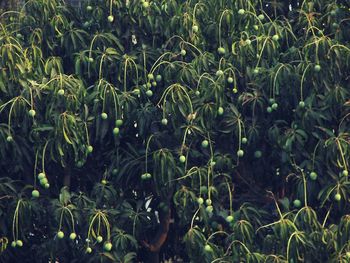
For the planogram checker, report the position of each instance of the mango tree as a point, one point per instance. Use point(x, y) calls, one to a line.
point(202, 131)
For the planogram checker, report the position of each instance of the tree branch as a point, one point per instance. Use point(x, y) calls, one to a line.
point(162, 233)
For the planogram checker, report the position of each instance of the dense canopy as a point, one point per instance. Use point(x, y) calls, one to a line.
point(202, 131)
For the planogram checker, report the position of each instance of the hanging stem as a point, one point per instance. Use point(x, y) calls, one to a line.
point(147, 148)
point(305, 188)
point(275, 80)
point(35, 166)
point(342, 154)
point(43, 157)
point(15, 225)
point(220, 22)
point(302, 81)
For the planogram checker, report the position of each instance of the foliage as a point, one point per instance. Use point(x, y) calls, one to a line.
point(214, 131)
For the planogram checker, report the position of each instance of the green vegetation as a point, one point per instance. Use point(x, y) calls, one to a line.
point(212, 131)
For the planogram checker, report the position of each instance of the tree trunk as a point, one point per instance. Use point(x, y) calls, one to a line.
point(157, 242)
